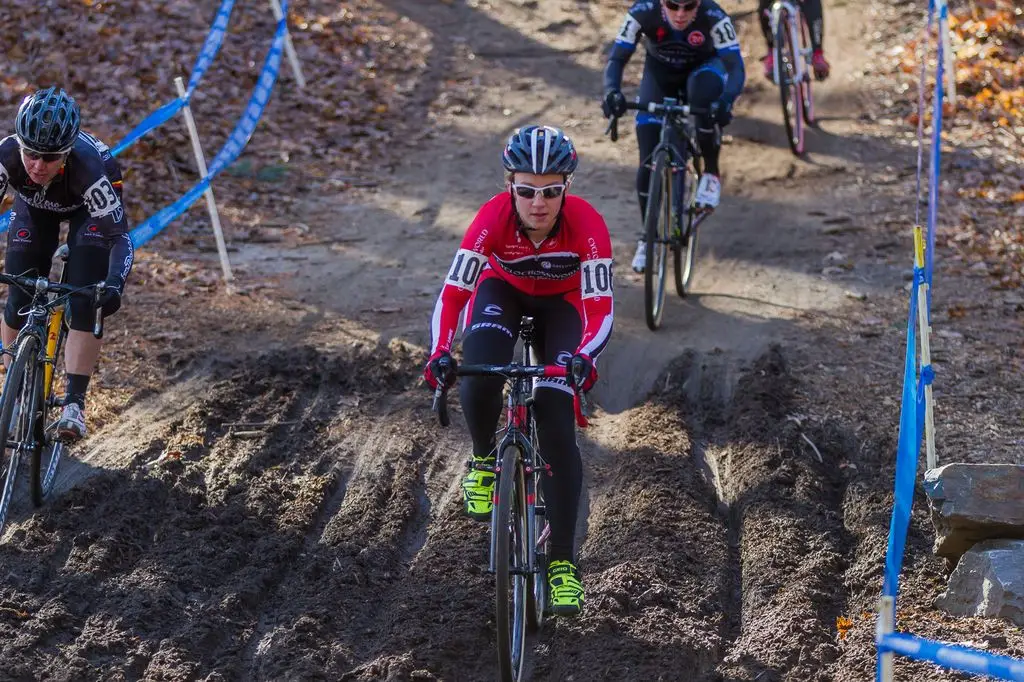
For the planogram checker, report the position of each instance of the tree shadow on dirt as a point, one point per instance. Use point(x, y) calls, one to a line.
point(489, 39)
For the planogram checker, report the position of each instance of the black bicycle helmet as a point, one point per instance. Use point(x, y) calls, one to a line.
point(48, 121)
point(540, 150)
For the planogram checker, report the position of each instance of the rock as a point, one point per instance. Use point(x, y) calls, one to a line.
point(988, 582)
point(974, 502)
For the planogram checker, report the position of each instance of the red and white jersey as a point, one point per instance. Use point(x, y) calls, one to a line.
point(575, 261)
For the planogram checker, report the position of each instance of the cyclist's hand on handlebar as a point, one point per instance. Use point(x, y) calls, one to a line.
point(721, 111)
point(583, 372)
point(109, 294)
point(614, 104)
point(440, 370)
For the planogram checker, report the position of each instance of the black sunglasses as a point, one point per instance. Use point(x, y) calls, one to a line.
point(45, 157)
point(676, 6)
point(529, 191)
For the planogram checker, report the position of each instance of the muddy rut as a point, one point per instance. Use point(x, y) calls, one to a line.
point(294, 514)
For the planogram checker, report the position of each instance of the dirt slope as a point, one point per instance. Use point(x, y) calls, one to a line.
point(280, 505)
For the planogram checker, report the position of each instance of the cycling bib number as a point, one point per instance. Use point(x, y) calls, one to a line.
point(629, 31)
point(723, 35)
point(596, 278)
point(465, 269)
point(102, 200)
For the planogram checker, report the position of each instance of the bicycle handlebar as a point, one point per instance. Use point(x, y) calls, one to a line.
point(41, 285)
point(656, 108)
point(511, 371)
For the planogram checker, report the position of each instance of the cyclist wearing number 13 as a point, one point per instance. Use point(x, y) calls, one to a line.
point(59, 173)
point(531, 250)
point(692, 52)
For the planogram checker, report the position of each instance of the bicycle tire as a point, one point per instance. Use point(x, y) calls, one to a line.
point(657, 223)
point(806, 94)
point(685, 267)
point(43, 470)
point(14, 389)
point(785, 58)
point(509, 541)
point(537, 592)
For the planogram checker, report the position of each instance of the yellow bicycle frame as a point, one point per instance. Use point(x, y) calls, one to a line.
point(52, 334)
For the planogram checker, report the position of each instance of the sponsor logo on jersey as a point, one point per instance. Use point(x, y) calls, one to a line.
point(492, 309)
point(659, 34)
point(696, 39)
point(24, 234)
point(563, 358)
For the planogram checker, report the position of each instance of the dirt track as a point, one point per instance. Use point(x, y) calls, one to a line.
point(718, 545)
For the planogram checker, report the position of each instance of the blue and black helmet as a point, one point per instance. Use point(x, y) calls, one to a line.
point(541, 150)
point(48, 121)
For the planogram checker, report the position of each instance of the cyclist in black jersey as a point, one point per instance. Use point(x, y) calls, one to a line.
point(816, 23)
point(692, 53)
point(57, 173)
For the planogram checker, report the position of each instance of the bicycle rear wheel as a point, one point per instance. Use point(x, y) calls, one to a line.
point(657, 224)
point(15, 427)
point(511, 565)
point(789, 88)
point(47, 453)
point(684, 251)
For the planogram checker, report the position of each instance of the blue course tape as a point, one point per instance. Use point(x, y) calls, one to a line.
point(232, 148)
point(951, 656)
point(211, 46)
point(908, 446)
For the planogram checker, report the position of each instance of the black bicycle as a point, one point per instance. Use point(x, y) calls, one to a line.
point(29, 408)
point(672, 217)
point(519, 531)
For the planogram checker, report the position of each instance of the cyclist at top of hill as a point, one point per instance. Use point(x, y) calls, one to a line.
point(57, 172)
point(692, 54)
point(535, 250)
point(815, 21)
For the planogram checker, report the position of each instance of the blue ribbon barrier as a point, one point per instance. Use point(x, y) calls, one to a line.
point(907, 449)
point(232, 147)
point(952, 656)
point(211, 46)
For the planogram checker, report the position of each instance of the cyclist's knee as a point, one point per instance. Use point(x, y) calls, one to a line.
point(17, 300)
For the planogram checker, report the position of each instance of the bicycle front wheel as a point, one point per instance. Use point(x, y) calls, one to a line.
point(684, 250)
point(789, 89)
point(657, 224)
point(511, 565)
point(806, 95)
point(47, 452)
point(15, 417)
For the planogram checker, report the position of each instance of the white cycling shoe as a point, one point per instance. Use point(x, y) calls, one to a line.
point(709, 192)
point(72, 423)
point(640, 257)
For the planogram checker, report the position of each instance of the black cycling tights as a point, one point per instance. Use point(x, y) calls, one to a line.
point(812, 13)
point(491, 338)
point(699, 88)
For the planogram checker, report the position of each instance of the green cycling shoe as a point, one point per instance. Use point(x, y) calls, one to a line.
point(565, 588)
point(478, 491)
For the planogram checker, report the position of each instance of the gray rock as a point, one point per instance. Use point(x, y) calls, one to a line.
point(974, 502)
point(988, 582)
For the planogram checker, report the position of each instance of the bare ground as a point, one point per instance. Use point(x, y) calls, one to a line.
point(739, 473)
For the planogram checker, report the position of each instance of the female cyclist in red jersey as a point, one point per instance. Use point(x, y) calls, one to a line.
point(535, 250)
